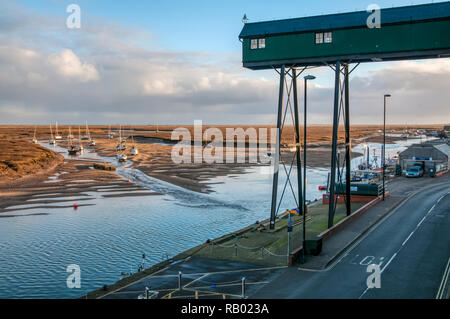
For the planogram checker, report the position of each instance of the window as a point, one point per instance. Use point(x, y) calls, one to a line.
point(262, 43)
point(326, 37)
point(257, 44)
point(319, 38)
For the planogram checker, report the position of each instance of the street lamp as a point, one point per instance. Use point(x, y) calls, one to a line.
point(308, 77)
point(384, 143)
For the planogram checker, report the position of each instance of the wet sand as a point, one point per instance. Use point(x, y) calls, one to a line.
point(75, 177)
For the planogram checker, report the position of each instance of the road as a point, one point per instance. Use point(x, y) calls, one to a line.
point(411, 246)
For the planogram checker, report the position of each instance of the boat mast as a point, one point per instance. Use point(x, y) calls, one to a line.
point(79, 135)
point(70, 136)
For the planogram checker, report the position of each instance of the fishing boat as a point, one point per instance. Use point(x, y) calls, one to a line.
point(57, 136)
point(52, 140)
point(34, 140)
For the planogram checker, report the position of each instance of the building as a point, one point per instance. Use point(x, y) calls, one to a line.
point(409, 32)
point(432, 157)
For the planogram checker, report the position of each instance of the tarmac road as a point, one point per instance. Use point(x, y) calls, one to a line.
point(411, 246)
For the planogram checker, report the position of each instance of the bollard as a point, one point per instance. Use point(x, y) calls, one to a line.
point(243, 288)
point(224, 296)
point(196, 294)
point(235, 250)
point(179, 280)
point(147, 294)
point(262, 252)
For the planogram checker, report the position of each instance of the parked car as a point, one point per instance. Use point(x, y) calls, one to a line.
point(415, 171)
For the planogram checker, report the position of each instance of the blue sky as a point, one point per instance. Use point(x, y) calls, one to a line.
point(177, 61)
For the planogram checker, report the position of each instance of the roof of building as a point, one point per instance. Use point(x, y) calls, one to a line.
point(347, 20)
point(444, 148)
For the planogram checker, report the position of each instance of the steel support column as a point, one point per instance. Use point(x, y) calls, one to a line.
point(297, 140)
point(347, 142)
point(273, 211)
point(334, 143)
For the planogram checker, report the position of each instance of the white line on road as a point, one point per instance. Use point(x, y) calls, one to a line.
point(408, 238)
point(446, 273)
point(387, 264)
point(441, 290)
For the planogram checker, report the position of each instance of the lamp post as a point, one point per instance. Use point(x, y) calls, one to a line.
point(308, 77)
point(384, 143)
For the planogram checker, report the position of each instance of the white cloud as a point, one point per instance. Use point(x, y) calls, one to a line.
point(69, 65)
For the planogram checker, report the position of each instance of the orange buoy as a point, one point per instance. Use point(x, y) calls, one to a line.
point(129, 181)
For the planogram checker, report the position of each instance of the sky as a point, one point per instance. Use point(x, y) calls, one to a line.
point(173, 62)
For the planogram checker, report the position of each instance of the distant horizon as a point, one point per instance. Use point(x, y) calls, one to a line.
point(220, 125)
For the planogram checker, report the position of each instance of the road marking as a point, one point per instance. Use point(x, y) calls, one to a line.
point(408, 238)
point(134, 282)
point(374, 227)
point(420, 223)
point(442, 286)
point(446, 273)
point(387, 264)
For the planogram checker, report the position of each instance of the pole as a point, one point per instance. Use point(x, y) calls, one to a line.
point(179, 280)
point(289, 238)
point(384, 144)
point(334, 144)
point(277, 151)
point(304, 173)
point(243, 288)
point(297, 141)
point(347, 143)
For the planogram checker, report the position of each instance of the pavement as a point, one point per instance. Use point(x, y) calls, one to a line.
point(410, 245)
point(407, 236)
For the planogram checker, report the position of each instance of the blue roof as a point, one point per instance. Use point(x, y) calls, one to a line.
point(347, 20)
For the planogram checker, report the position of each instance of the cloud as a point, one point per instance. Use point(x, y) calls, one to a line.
point(68, 65)
point(108, 73)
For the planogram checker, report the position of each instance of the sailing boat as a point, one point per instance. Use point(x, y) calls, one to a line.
point(52, 140)
point(121, 146)
point(72, 149)
point(34, 140)
point(110, 135)
point(86, 137)
point(91, 141)
point(80, 147)
point(57, 136)
point(134, 150)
